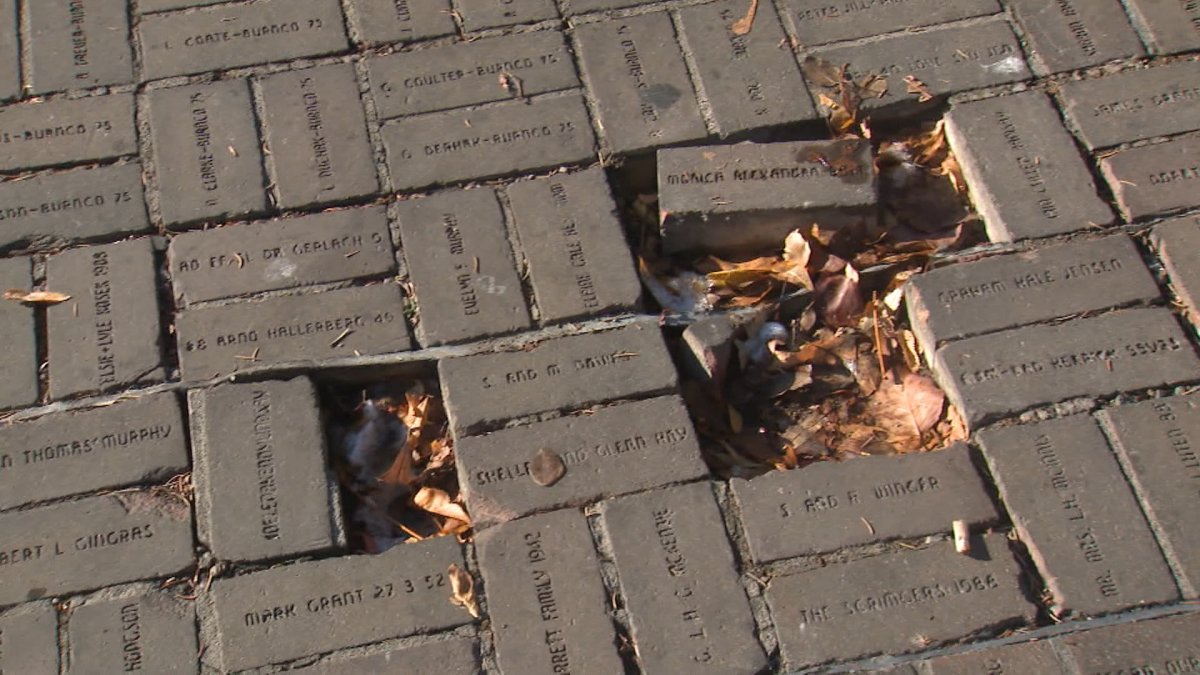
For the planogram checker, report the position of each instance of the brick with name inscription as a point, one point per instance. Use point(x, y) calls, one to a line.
point(108, 334)
point(1165, 645)
point(461, 266)
point(1135, 104)
point(146, 6)
point(315, 607)
point(1072, 34)
point(1015, 370)
point(66, 131)
point(897, 602)
point(751, 195)
point(1178, 244)
point(815, 22)
point(217, 38)
point(18, 332)
point(141, 440)
point(1007, 291)
point(506, 138)
point(263, 490)
point(152, 632)
point(482, 14)
point(558, 374)
point(1170, 26)
point(635, 71)
point(207, 154)
point(78, 45)
point(608, 451)
point(1027, 657)
point(572, 240)
point(573, 7)
point(283, 253)
point(827, 506)
point(1074, 511)
point(1155, 179)
point(446, 657)
point(687, 607)
point(10, 61)
point(47, 209)
point(460, 74)
point(316, 133)
point(1026, 177)
point(1157, 440)
point(93, 542)
point(401, 20)
point(29, 639)
point(545, 598)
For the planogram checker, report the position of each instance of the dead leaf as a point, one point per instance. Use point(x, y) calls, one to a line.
point(438, 501)
point(35, 297)
point(462, 589)
point(838, 300)
point(915, 86)
point(744, 24)
point(907, 410)
point(547, 468)
point(797, 251)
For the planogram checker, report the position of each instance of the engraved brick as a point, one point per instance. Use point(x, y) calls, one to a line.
point(30, 639)
point(206, 151)
point(154, 632)
point(315, 607)
point(1166, 645)
point(461, 266)
point(898, 602)
point(76, 205)
point(146, 6)
point(610, 451)
point(1026, 176)
point(558, 374)
point(460, 74)
point(1072, 34)
point(512, 137)
point(815, 22)
point(1157, 442)
point(93, 542)
point(1028, 657)
point(1135, 104)
point(827, 506)
point(687, 608)
point(318, 248)
point(1007, 291)
point(141, 440)
point(79, 45)
point(1178, 244)
point(545, 598)
point(18, 333)
point(10, 62)
point(218, 38)
point(446, 657)
point(262, 487)
point(636, 73)
point(570, 7)
point(108, 334)
point(1155, 179)
point(1171, 26)
point(495, 13)
point(404, 21)
point(1015, 370)
point(751, 195)
point(579, 263)
point(316, 133)
point(66, 131)
point(1078, 517)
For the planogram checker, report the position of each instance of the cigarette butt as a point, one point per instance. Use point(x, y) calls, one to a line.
point(962, 537)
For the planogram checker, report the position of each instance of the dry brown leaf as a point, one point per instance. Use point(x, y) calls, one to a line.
point(906, 411)
point(797, 251)
point(547, 468)
point(462, 589)
point(838, 300)
point(915, 86)
point(35, 297)
point(438, 501)
point(744, 24)
point(873, 85)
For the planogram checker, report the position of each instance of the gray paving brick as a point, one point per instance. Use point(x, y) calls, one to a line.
point(557, 374)
point(751, 195)
point(1027, 657)
point(1007, 291)
point(65, 131)
point(748, 81)
point(76, 205)
point(29, 639)
point(1025, 174)
point(216, 341)
point(10, 62)
point(1134, 104)
point(635, 72)
point(315, 607)
point(828, 506)
point(79, 45)
point(18, 333)
point(108, 334)
point(687, 607)
point(146, 6)
point(1178, 244)
point(460, 74)
point(446, 657)
point(316, 133)
point(481, 14)
point(579, 263)
point(611, 451)
point(1166, 645)
point(461, 267)
point(573, 7)
point(815, 22)
point(1073, 510)
point(1156, 440)
point(1155, 179)
point(1172, 26)
point(1074, 34)
point(401, 20)
point(1018, 369)
point(545, 598)
point(508, 138)
point(142, 440)
point(241, 259)
point(92, 543)
point(239, 35)
point(899, 602)
point(153, 632)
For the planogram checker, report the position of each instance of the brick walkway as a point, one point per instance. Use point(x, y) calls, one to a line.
point(421, 187)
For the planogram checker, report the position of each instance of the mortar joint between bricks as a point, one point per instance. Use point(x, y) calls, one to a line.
point(524, 273)
point(611, 579)
point(374, 137)
point(689, 61)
